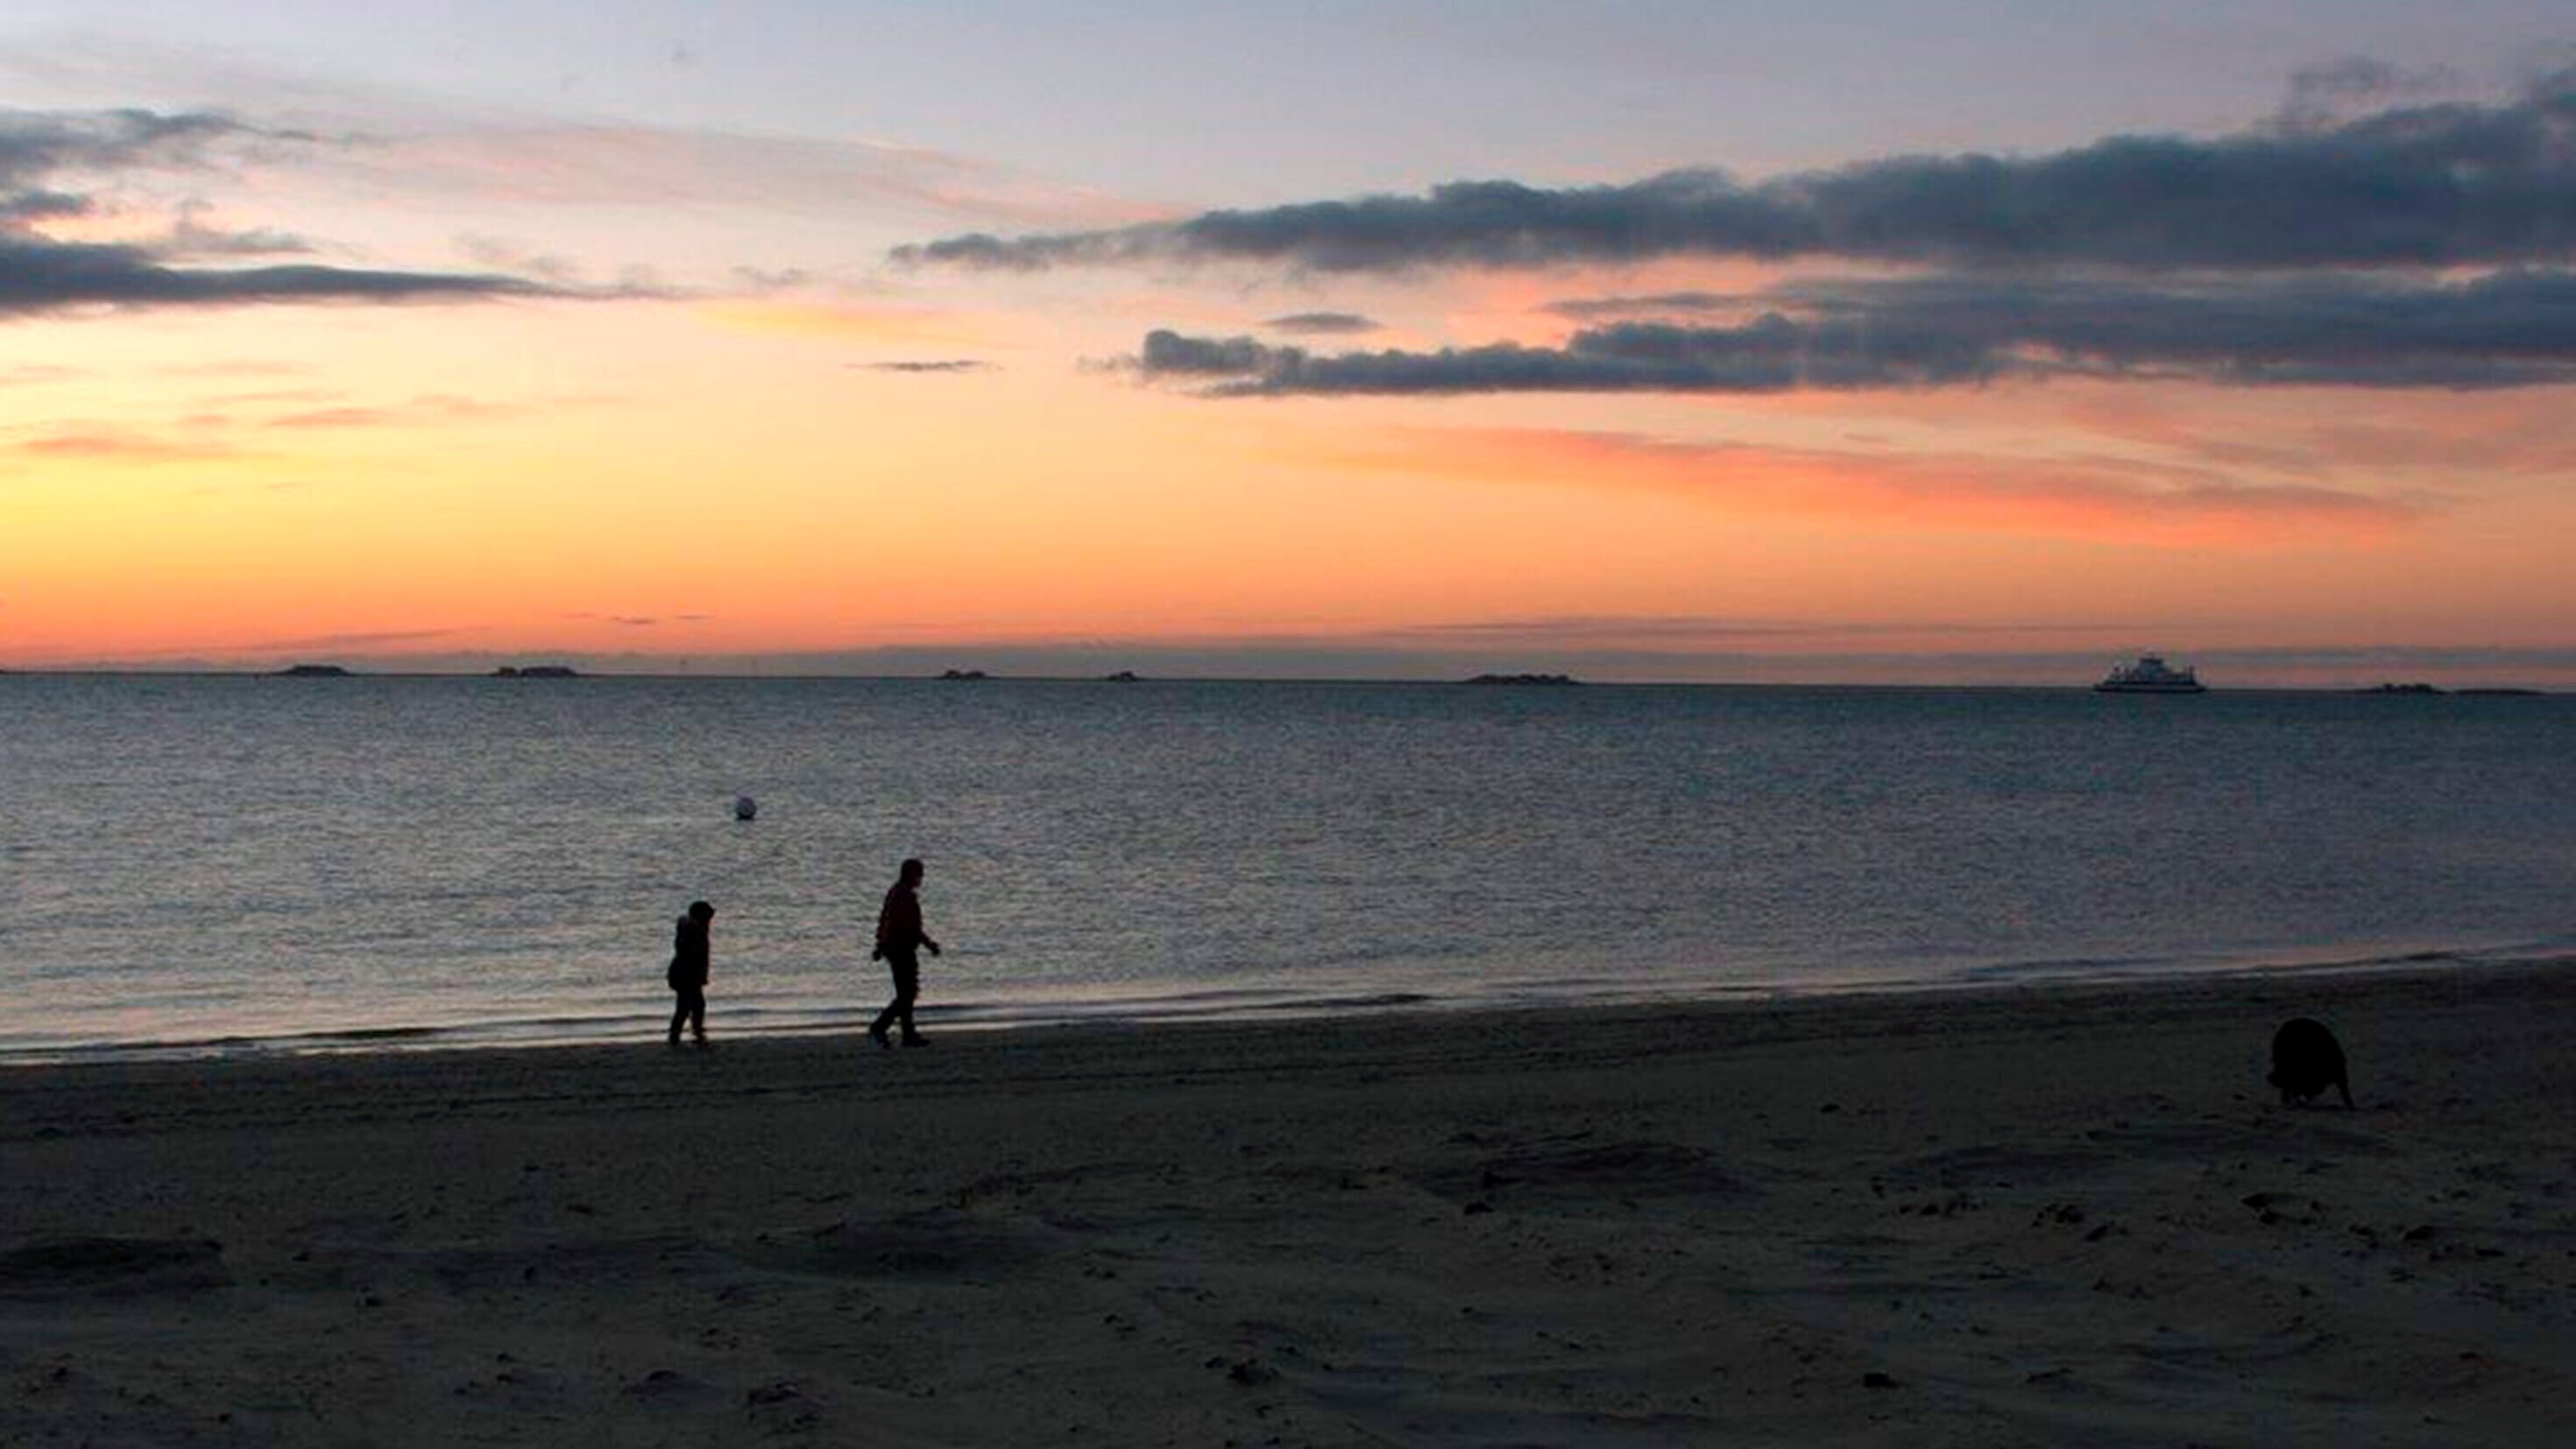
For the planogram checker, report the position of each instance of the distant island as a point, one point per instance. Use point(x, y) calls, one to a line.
point(964, 674)
point(536, 671)
point(313, 671)
point(2402, 689)
point(1123, 676)
point(1549, 679)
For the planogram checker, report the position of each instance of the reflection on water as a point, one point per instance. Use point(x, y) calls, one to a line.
point(205, 858)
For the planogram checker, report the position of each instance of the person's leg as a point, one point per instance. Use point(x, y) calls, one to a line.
point(698, 1013)
point(886, 1018)
point(907, 989)
point(679, 1012)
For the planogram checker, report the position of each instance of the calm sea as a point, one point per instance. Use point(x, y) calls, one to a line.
point(264, 863)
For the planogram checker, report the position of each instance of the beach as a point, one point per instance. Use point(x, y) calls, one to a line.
point(2071, 1214)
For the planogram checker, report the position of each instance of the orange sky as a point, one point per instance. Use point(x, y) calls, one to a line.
point(534, 477)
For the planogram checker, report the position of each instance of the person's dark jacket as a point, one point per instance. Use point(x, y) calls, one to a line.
point(689, 953)
point(899, 923)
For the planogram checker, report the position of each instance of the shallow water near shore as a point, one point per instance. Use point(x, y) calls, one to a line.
point(252, 864)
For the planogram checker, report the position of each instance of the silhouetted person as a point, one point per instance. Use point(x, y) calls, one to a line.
point(899, 942)
point(691, 953)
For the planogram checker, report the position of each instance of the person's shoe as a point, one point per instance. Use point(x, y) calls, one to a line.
point(675, 1038)
point(877, 1034)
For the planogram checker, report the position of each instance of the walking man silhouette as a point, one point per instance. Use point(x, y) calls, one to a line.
point(899, 942)
point(691, 951)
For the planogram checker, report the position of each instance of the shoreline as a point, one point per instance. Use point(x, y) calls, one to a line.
point(2015, 1216)
point(1155, 1013)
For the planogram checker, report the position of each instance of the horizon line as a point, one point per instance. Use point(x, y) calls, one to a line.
point(1513, 679)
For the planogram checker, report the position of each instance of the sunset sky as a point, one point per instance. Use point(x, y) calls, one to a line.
point(1980, 341)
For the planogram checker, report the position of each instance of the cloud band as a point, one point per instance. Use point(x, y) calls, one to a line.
point(2507, 330)
point(40, 273)
point(2425, 186)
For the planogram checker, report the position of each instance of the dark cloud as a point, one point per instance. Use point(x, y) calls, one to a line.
point(1321, 323)
point(42, 276)
point(2427, 185)
point(932, 365)
point(2506, 330)
point(1770, 354)
point(23, 208)
point(1656, 304)
point(43, 154)
point(36, 145)
point(1170, 354)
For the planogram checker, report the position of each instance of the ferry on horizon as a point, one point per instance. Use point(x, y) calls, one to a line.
point(2151, 675)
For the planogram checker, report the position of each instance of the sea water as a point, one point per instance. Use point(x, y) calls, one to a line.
point(259, 863)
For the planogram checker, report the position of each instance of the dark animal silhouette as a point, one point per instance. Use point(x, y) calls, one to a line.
point(2306, 1059)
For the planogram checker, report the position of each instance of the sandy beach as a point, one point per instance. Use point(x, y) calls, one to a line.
point(2038, 1216)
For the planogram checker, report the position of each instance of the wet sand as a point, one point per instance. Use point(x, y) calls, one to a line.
point(2021, 1217)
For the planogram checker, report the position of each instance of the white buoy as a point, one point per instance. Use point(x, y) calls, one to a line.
point(745, 807)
